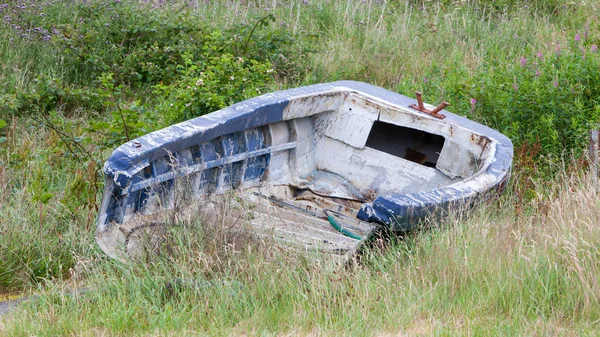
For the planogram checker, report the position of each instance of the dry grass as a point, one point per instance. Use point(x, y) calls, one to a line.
point(499, 272)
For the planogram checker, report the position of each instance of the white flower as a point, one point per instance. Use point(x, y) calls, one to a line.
point(270, 71)
point(200, 82)
point(231, 78)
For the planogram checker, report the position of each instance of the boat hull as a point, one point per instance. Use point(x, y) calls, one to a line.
point(344, 140)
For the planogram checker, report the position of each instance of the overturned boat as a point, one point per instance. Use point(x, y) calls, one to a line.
point(320, 166)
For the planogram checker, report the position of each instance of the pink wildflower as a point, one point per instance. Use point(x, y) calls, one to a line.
point(540, 55)
point(594, 48)
point(577, 37)
point(523, 61)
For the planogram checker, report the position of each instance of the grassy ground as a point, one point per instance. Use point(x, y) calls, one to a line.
point(524, 265)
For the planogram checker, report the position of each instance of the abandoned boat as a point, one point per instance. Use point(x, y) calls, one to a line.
point(321, 166)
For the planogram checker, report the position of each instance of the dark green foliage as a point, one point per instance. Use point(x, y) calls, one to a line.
point(550, 97)
point(115, 53)
point(212, 85)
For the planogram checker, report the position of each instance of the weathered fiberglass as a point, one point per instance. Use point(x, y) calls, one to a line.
point(355, 147)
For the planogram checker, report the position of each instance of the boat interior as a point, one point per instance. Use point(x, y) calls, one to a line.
point(328, 154)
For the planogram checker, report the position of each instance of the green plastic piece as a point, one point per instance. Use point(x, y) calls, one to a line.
point(342, 230)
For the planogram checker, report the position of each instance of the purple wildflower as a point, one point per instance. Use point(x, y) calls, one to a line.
point(538, 73)
point(515, 86)
point(523, 61)
point(540, 55)
point(594, 48)
point(425, 80)
point(473, 101)
point(577, 38)
point(555, 84)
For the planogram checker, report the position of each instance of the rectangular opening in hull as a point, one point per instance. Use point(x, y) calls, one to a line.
point(414, 145)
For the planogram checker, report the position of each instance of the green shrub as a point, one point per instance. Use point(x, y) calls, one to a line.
point(139, 44)
point(211, 85)
point(142, 45)
point(549, 96)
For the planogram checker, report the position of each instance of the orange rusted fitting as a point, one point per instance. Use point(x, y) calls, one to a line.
point(421, 107)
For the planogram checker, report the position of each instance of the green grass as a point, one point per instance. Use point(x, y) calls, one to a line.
point(498, 272)
point(526, 264)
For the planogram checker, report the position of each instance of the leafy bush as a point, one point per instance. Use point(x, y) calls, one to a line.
point(550, 96)
point(47, 93)
point(114, 53)
point(211, 85)
point(140, 45)
point(144, 45)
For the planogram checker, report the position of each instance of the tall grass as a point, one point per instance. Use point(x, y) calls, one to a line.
point(498, 272)
point(43, 228)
